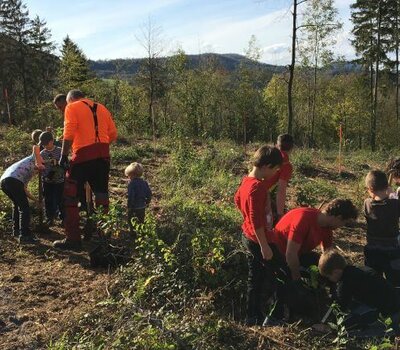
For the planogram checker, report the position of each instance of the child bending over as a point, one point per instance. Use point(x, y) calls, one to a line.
point(14, 182)
point(355, 286)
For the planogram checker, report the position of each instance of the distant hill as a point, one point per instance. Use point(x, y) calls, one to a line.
point(128, 67)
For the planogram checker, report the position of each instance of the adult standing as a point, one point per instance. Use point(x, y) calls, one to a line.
point(88, 131)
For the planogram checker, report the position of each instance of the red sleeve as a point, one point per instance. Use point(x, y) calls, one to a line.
point(299, 228)
point(286, 171)
point(257, 207)
point(237, 198)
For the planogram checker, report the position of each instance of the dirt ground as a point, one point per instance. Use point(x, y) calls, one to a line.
point(41, 289)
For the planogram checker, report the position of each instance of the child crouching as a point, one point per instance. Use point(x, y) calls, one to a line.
point(359, 286)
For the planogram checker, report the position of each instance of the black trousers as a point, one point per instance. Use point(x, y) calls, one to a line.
point(384, 261)
point(14, 189)
point(262, 276)
point(53, 199)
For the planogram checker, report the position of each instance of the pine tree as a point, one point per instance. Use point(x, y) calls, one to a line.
point(15, 24)
point(74, 68)
point(43, 64)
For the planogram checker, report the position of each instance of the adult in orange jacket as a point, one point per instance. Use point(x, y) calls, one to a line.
point(88, 131)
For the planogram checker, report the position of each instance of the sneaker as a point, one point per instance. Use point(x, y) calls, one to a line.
point(66, 244)
point(27, 239)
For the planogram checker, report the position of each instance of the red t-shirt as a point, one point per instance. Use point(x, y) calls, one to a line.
point(284, 172)
point(250, 199)
point(300, 225)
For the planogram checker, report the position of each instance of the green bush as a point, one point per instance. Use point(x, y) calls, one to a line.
point(302, 160)
point(312, 193)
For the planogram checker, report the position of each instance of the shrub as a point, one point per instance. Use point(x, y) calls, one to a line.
point(312, 193)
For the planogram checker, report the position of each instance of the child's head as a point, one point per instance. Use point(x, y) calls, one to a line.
point(331, 265)
point(35, 136)
point(393, 170)
point(376, 181)
point(134, 170)
point(285, 142)
point(46, 140)
point(268, 159)
point(340, 212)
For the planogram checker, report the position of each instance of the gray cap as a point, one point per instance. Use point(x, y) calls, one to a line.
point(45, 137)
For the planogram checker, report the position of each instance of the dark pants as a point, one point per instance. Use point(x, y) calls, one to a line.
point(96, 173)
point(262, 274)
point(53, 199)
point(384, 261)
point(14, 189)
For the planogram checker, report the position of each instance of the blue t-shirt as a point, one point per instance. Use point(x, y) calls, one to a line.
point(52, 173)
point(139, 193)
point(22, 170)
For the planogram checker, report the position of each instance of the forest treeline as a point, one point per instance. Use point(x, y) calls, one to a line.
point(169, 96)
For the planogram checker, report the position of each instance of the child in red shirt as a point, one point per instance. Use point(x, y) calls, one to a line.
point(281, 178)
point(250, 199)
point(303, 229)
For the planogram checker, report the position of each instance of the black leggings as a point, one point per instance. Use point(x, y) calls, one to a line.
point(14, 189)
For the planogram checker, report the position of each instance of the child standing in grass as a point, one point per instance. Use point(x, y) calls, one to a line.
point(251, 200)
point(53, 177)
point(382, 213)
point(14, 182)
point(139, 193)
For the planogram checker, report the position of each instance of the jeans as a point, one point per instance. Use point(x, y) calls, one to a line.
point(53, 199)
point(14, 189)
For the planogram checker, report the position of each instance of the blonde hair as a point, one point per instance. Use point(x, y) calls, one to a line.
point(35, 135)
point(134, 169)
point(329, 261)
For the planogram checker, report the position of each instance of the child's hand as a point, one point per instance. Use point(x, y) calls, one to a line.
point(267, 252)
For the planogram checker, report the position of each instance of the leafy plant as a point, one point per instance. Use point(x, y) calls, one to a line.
point(342, 336)
point(313, 192)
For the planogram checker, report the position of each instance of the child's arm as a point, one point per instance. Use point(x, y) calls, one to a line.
point(149, 194)
point(38, 158)
point(281, 197)
point(131, 195)
point(292, 259)
point(268, 210)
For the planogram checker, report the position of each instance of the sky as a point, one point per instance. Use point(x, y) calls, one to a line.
point(114, 29)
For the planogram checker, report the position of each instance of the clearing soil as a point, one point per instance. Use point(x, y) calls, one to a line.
point(41, 289)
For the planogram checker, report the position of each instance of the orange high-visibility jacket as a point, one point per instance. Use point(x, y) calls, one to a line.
point(79, 126)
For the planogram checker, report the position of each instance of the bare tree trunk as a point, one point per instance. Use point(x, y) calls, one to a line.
point(376, 81)
point(291, 70)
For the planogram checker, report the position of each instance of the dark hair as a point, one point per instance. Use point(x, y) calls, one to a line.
point(376, 180)
point(393, 167)
point(267, 155)
point(342, 207)
point(60, 98)
point(285, 142)
point(329, 261)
